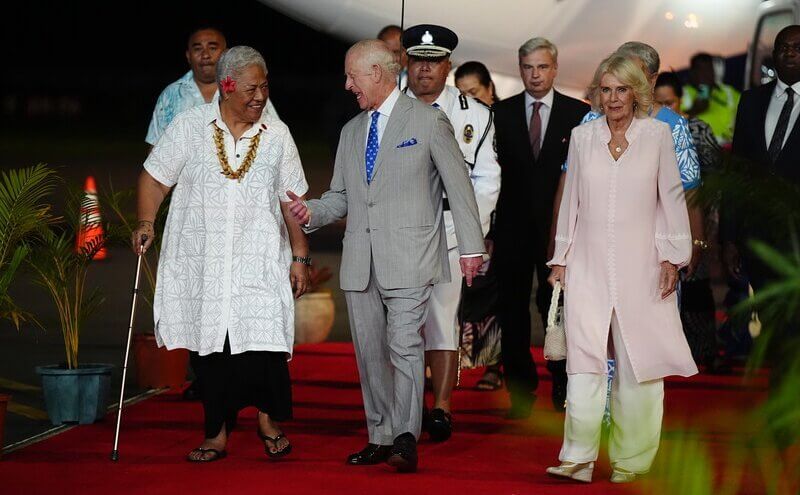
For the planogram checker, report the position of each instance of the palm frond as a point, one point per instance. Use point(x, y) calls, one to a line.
point(22, 207)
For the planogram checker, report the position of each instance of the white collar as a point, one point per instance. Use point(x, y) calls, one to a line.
point(388, 104)
point(546, 101)
point(780, 89)
point(215, 117)
point(444, 100)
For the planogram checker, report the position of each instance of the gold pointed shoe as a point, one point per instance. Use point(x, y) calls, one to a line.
point(578, 472)
point(622, 476)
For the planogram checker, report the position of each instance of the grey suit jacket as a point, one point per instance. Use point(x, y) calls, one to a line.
point(396, 221)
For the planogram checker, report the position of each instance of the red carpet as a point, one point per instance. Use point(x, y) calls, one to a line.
point(487, 455)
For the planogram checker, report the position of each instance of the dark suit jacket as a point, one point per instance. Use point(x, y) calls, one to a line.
point(749, 143)
point(525, 205)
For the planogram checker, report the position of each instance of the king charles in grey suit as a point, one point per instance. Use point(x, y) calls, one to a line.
point(394, 162)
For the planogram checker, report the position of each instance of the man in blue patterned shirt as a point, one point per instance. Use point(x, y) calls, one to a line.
point(196, 87)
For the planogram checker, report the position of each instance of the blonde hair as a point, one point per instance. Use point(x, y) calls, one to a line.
point(630, 74)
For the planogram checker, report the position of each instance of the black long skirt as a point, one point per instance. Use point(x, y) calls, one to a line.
point(228, 383)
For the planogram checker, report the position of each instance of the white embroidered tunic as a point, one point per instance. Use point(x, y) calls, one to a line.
point(618, 221)
point(225, 256)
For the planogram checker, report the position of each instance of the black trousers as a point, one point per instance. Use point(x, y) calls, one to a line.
point(515, 276)
point(230, 382)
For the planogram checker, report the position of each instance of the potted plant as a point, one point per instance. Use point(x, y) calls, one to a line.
point(22, 213)
point(73, 391)
point(314, 312)
point(156, 367)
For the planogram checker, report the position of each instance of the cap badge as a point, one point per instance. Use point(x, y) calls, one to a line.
point(469, 132)
point(427, 38)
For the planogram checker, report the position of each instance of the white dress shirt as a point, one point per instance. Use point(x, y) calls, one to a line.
point(776, 103)
point(385, 110)
point(544, 111)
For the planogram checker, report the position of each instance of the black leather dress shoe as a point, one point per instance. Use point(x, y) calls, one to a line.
point(404, 454)
point(440, 425)
point(369, 455)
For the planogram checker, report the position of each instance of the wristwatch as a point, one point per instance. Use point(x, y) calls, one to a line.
point(306, 260)
point(700, 243)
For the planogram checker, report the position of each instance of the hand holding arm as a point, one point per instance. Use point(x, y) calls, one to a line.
point(300, 212)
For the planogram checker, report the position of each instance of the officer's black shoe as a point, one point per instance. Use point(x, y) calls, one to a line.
point(440, 425)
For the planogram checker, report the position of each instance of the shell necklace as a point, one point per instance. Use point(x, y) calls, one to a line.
point(227, 171)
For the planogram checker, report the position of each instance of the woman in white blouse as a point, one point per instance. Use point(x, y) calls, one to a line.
point(622, 235)
point(230, 265)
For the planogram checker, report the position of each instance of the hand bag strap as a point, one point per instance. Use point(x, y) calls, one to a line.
point(553, 312)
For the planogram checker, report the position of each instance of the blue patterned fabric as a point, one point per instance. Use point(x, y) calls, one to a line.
point(611, 370)
point(685, 151)
point(179, 96)
point(372, 145)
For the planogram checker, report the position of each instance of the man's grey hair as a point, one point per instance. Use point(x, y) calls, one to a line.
point(644, 52)
point(534, 44)
point(235, 60)
point(376, 52)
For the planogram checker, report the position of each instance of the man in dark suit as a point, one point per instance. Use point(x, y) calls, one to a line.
point(532, 136)
point(767, 134)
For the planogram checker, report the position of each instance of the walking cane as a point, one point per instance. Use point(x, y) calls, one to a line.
point(115, 452)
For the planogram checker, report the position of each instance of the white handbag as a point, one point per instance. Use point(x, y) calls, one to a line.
point(555, 340)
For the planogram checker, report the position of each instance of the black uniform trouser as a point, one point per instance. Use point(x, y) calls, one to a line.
point(515, 278)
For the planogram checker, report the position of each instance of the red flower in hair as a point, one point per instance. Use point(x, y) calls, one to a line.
point(228, 85)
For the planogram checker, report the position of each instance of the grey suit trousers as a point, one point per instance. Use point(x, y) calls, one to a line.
point(386, 327)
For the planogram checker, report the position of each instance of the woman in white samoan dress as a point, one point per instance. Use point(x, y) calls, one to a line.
point(230, 265)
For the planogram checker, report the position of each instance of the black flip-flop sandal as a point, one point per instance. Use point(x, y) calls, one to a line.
point(274, 441)
point(218, 454)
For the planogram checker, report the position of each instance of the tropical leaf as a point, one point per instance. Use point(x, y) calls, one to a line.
point(22, 206)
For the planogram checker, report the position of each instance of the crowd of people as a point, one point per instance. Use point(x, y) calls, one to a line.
point(436, 182)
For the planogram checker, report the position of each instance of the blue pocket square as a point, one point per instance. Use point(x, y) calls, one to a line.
point(407, 142)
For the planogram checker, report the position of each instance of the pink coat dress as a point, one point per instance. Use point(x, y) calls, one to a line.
point(618, 221)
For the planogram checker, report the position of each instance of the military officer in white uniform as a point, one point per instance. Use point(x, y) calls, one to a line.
point(428, 48)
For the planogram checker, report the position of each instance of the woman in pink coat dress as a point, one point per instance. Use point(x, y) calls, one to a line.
point(622, 235)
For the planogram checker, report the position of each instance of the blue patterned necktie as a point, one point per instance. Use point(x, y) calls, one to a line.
point(372, 145)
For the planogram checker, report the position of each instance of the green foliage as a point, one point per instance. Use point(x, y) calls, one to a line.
point(61, 269)
point(765, 204)
point(683, 466)
point(23, 215)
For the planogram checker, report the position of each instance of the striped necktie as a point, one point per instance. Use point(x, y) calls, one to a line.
point(776, 143)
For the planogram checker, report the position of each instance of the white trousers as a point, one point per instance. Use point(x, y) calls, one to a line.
point(441, 327)
point(636, 414)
